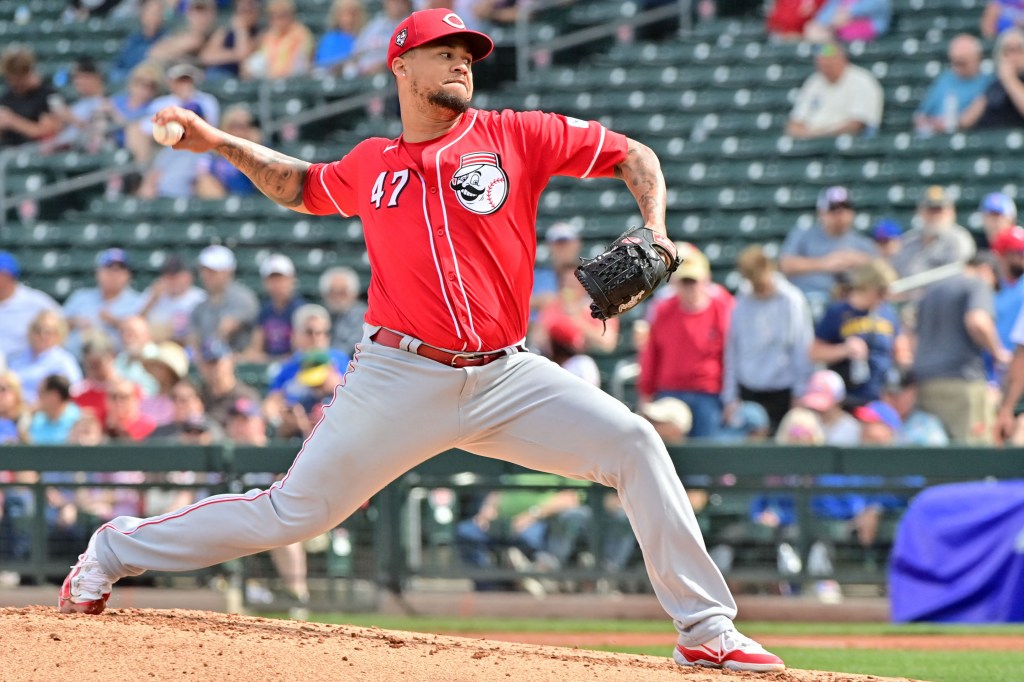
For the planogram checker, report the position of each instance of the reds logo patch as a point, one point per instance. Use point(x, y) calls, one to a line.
point(480, 183)
point(400, 38)
point(454, 20)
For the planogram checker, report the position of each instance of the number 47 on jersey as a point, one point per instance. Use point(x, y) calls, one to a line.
point(398, 180)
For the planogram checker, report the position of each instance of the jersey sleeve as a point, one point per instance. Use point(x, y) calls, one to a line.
point(331, 188)
point(573, 147)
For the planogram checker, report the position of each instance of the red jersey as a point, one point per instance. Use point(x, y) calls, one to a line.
point(686, 350)
point(450, 228)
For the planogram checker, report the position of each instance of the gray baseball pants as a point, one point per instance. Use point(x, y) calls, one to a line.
point(395, 410)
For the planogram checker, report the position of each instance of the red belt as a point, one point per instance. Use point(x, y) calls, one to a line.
point(386, 337)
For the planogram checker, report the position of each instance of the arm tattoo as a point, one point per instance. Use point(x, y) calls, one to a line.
point(278, 176)
point(641, 171)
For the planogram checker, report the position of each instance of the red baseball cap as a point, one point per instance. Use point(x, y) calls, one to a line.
point(426, 25)
point(1009, 240)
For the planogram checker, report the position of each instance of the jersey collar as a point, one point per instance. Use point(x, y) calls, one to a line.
point(408, 159)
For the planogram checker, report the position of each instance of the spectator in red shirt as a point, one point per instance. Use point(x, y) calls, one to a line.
point(684, 357)
point(787, 18)
point(125, 420)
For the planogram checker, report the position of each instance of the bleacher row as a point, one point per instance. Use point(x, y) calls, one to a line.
point(712, 104)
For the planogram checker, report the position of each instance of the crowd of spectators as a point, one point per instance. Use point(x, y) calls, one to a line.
point(935, 353)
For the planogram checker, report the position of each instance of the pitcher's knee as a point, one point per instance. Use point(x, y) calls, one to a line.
point(297, 518)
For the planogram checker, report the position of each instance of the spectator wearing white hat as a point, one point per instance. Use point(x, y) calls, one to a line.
point(230, 309)
point(272, 336)
point(671, 418)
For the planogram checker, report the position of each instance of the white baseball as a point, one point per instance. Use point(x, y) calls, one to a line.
point(168, 134)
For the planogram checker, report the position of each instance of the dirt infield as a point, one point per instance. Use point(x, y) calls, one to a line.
point(140, 644)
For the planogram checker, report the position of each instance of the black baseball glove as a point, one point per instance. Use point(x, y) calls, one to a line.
point(628, 272)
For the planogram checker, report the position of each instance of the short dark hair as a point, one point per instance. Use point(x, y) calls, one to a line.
point(58, 384)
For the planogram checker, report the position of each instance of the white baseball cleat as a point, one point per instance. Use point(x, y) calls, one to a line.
point(729, 650)
point(86, 589)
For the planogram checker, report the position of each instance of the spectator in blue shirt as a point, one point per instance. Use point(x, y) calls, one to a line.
point(953, 91)
point(272, 337)
point(344, 22)
point(1000, 15)
point(216, 178)
point(51, 424)
point(311, 331)
point(45, 356)
point(1009, 299)
point(860, 338)
point(136, 46)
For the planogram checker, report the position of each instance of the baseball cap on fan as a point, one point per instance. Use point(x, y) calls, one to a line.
point(1009, 240)
point(824, 390)
point(999, 204)
point(277, 264)
point(428, 25)
point(834, 197)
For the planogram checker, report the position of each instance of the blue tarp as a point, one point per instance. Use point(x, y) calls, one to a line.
point(959, 555)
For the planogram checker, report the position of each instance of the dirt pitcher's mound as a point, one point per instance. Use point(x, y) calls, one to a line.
point(141, 644)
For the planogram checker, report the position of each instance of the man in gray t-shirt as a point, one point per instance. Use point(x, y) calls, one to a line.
point(955, 326)
point(937, 240)
point(230, 309)
point(811, 257)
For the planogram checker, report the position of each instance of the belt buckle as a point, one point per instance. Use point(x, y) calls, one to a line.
point(468, 356)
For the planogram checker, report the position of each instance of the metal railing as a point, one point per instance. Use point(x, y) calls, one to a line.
point(726, 474)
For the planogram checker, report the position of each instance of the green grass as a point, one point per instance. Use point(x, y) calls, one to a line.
point(930, 666)
point(456, 624)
